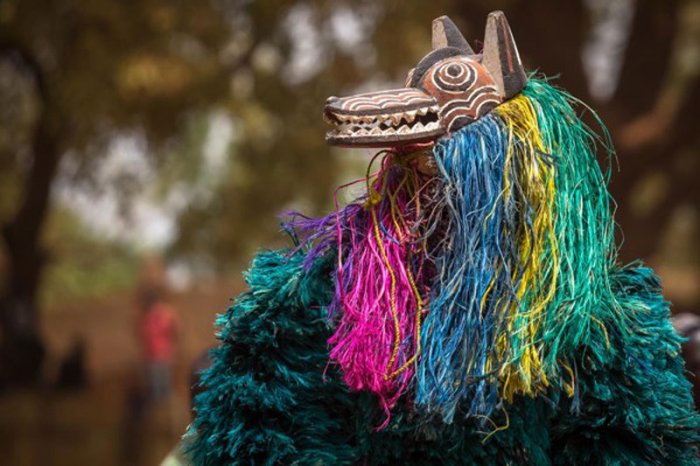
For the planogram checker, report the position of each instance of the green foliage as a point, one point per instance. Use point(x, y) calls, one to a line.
point(157, 69)
point(83, 265)
point(109, 65)
point(278, 158)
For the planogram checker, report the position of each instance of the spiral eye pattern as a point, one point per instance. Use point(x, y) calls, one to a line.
point(454, 76)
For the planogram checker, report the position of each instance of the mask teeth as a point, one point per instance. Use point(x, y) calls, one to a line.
point(389, 124)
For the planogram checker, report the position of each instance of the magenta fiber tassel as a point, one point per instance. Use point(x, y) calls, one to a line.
point(375, 339)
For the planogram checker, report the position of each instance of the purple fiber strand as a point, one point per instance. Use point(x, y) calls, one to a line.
point(364, 338)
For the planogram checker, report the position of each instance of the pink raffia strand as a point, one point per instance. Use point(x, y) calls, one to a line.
point(365, 336)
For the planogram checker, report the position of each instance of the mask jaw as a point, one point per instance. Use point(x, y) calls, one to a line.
point(395, 117)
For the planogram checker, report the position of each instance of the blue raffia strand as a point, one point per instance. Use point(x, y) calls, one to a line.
point(482, 324)
point(457, 337)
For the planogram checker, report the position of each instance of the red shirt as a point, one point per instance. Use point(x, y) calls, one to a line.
point(159, 328)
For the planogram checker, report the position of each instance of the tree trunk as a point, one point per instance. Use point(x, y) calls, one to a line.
point(21, 347)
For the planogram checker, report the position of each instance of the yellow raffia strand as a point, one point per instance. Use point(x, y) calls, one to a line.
point(496, 428)
point(411, 280)
point(400, 226)
point(522, 371)
point(398, 220)
point(373, 200)
point(419, 307)
point(392, 301)
point(569, 388)
point(605, 331)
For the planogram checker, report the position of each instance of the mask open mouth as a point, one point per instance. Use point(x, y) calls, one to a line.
point(382, 119)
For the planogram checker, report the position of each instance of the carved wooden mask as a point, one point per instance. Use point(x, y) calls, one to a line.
point(448, 89)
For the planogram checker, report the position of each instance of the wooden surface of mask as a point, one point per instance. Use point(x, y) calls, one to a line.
point(448, 89)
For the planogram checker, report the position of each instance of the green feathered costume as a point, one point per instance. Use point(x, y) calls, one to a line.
point(269, 399)
point(559, 355)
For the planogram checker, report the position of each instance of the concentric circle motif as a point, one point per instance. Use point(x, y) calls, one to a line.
point(464, 90)
point(454, 76)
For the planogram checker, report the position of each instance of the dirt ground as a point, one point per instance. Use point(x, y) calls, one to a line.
point(106, 423)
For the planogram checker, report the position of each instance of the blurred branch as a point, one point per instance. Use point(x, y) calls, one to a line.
point(19, 54)
point(242, 61)
point(681, 76)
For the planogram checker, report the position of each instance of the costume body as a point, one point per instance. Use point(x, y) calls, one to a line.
point(467, 310)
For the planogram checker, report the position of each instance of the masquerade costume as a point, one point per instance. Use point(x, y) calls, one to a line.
point(467, 310)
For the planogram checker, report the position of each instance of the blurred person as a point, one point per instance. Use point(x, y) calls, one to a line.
point(158, 332)
point(687, 325)
point(16, 334)
point(72, 374)
point(178, 455)
point(133, 429)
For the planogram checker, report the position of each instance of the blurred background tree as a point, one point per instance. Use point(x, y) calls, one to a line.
point(206, 115)
point(76, 74)
point(79, 77)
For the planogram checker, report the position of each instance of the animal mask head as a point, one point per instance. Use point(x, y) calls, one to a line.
point(449, 88)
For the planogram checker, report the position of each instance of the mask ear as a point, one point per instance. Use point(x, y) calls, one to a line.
point(446, 34)
point(500, 56)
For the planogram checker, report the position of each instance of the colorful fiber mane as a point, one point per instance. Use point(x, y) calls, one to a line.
point(476, 282)
point(473, 291)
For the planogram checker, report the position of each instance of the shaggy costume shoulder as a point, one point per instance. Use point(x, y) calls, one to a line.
point(268, 401)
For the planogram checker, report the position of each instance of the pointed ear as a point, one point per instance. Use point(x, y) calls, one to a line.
point(446, 34)
point(500, 56)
